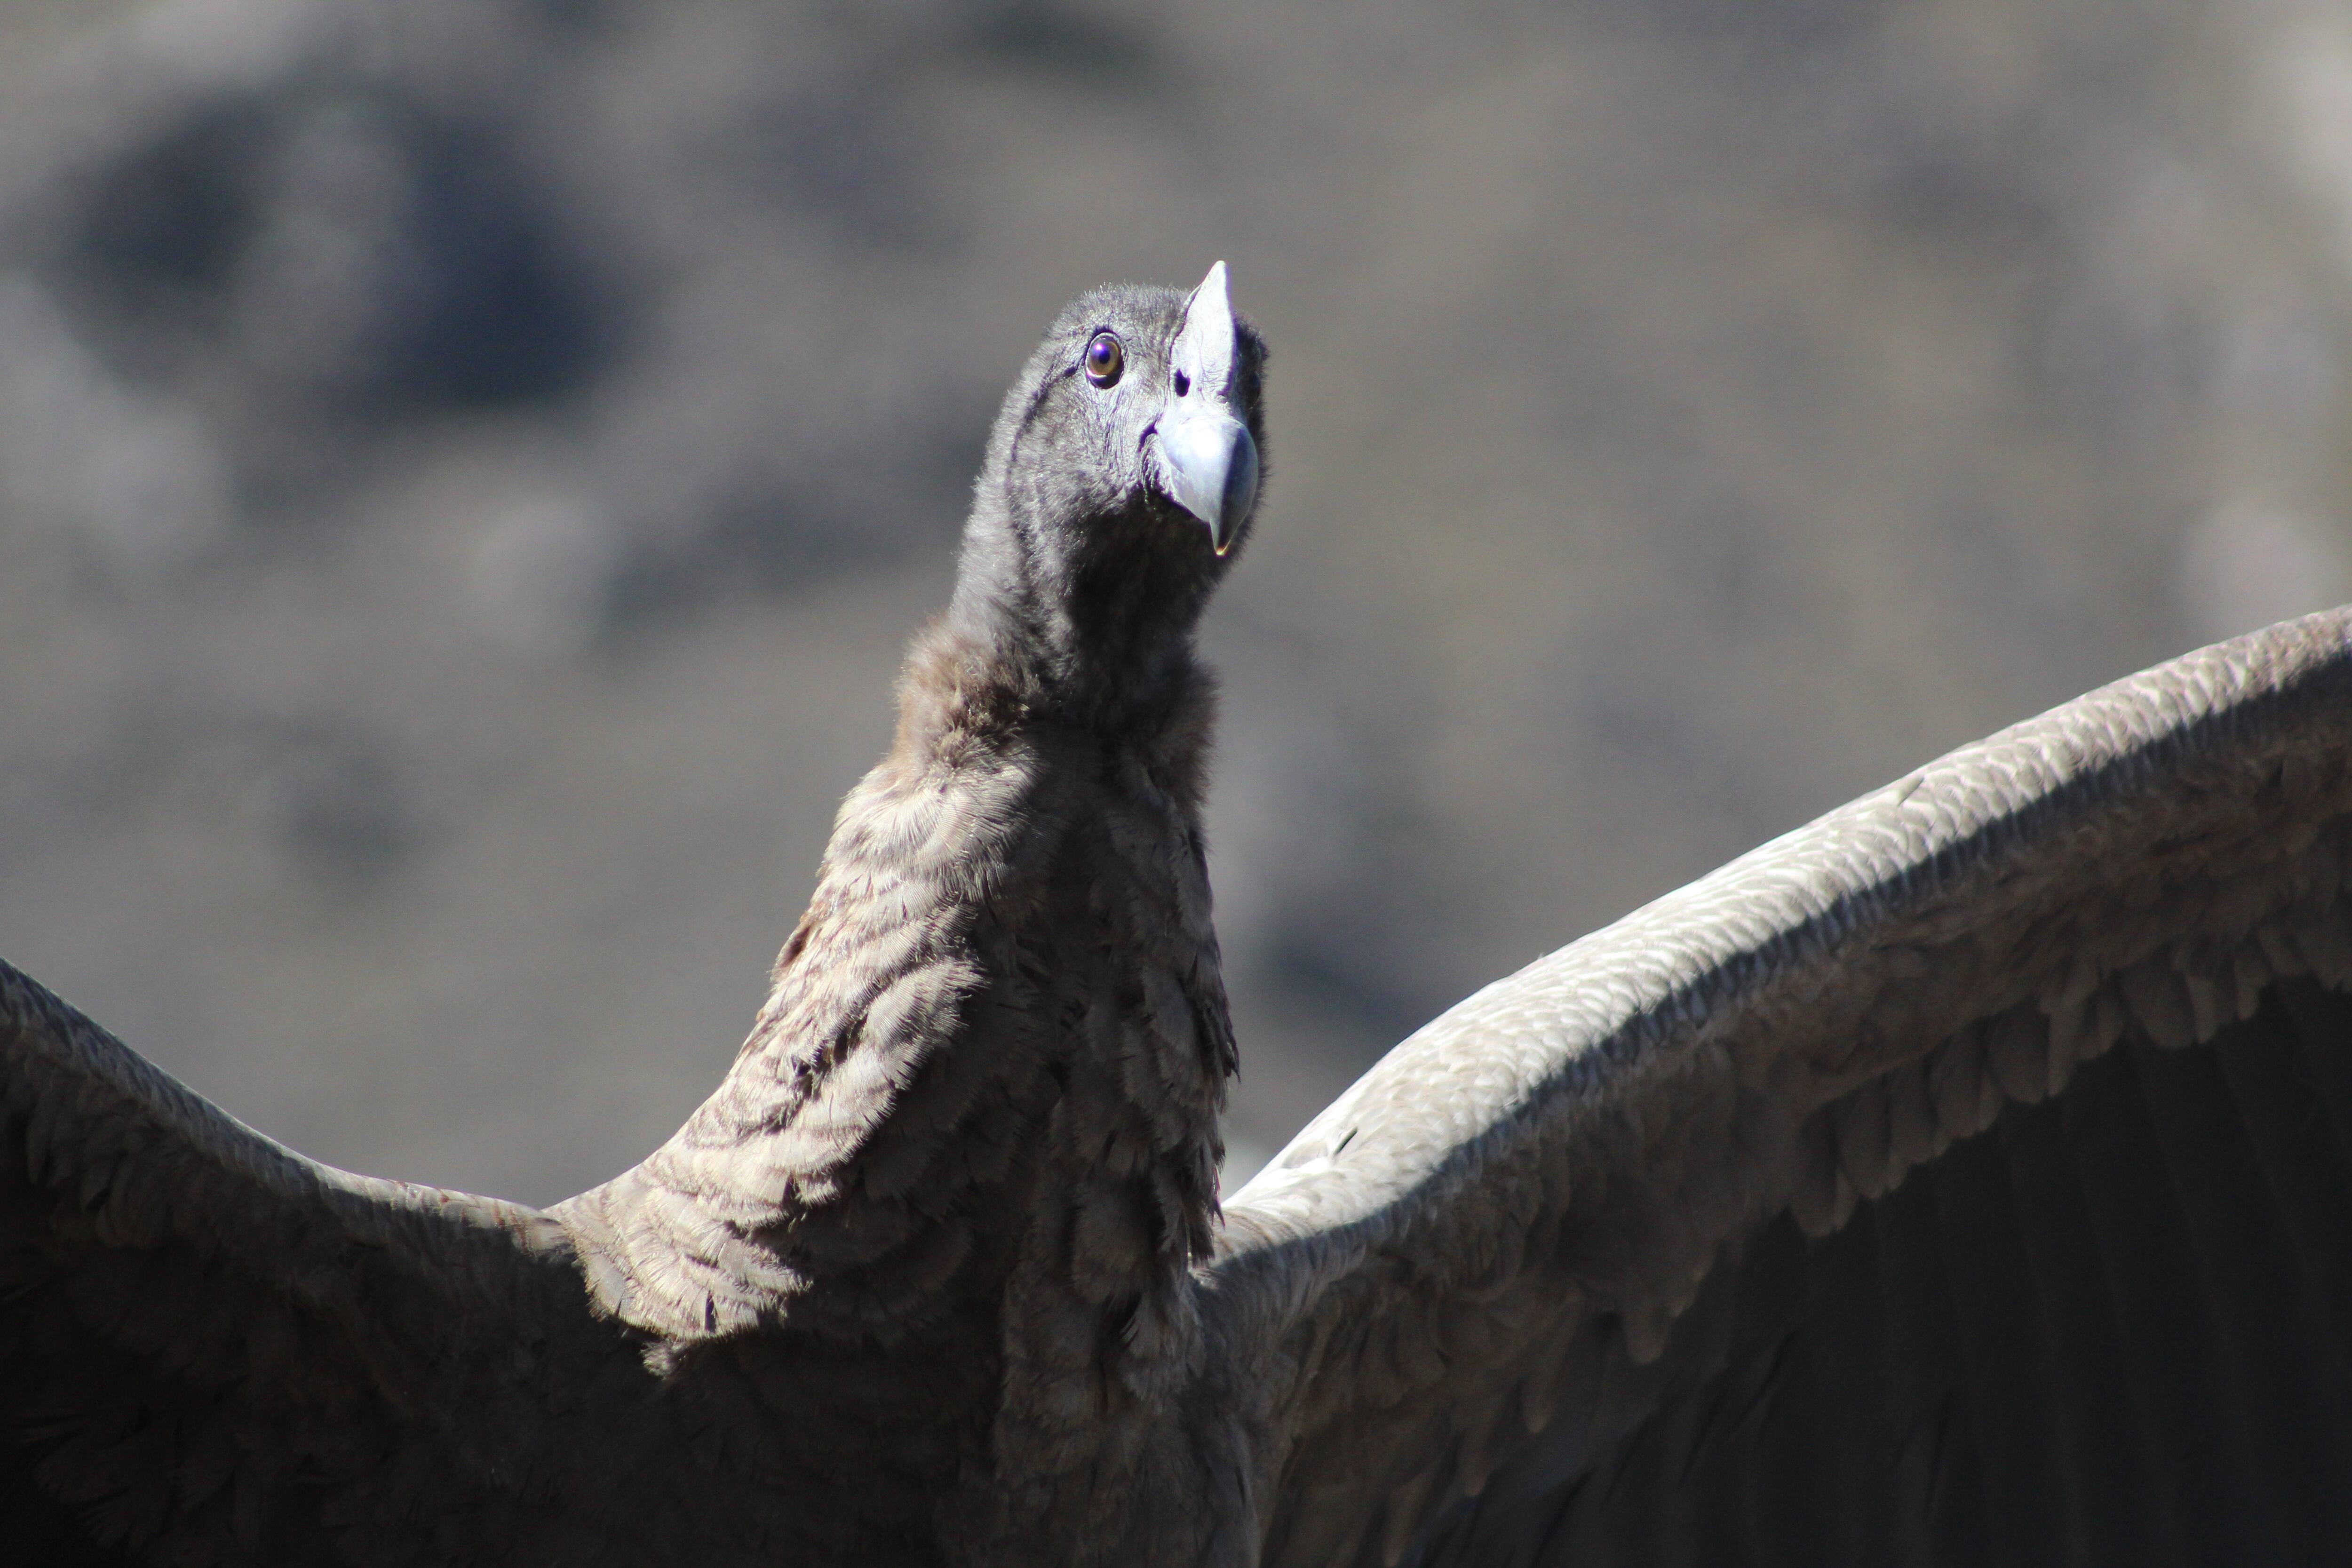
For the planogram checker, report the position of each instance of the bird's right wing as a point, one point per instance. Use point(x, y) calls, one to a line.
point(213, 1350)
point(1968, 1174)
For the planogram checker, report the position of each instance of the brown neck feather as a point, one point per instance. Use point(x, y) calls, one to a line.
point(976, 1119)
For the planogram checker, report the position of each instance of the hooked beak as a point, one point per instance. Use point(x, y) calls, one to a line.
point(1202, 455)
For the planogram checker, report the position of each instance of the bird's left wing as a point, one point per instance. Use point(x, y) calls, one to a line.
point(1581, 1261)
point(213, 1350)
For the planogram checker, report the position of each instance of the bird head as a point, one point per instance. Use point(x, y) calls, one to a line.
point(1124, 471)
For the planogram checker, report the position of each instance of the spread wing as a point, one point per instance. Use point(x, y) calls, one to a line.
point(1966, 1175)
point(213, 1350)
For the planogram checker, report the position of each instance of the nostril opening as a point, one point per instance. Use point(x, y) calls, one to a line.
point(1183, 384)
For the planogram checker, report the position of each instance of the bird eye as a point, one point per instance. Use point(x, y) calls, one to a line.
point(1105, 359)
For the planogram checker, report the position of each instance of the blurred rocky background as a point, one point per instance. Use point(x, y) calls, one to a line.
point(467, 466)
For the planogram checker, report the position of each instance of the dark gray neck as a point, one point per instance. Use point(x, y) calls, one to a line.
point(1096, 617)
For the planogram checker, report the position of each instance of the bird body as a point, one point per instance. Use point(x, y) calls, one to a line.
point(974, 1129)
point(1982, 1152)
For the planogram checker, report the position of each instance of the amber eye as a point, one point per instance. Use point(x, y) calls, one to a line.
point(1105, 359)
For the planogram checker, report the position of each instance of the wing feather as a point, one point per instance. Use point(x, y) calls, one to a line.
point(212, 1349)
point(1652, 1189)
